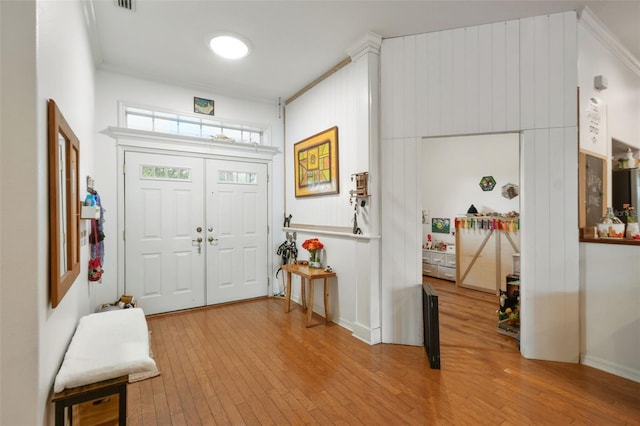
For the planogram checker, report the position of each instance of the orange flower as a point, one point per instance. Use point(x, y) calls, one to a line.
point(312, 244)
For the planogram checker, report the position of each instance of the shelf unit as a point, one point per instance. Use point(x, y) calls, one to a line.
point(439, 264)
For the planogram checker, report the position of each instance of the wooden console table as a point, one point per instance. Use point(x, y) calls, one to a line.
point(309, 274)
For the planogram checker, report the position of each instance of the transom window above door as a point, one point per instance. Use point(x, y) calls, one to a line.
point(154, 120)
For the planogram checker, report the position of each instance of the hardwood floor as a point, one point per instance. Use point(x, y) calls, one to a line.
point(250, 363)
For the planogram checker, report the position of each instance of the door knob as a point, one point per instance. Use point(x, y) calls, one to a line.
point(212, 240)
point(199, 239)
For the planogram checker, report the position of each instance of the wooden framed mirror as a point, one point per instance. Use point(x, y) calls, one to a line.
point(64, 216)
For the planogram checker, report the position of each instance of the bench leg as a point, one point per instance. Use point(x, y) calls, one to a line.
point(60, 410)
point(122, 405)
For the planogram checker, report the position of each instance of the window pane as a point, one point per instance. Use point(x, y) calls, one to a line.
point(166, 115)
point(189, 129)
point(209, 131)
point(255, 137)
point(144, 119)
point(166, 126)
point(228, 176)
point(233, 134)
point(140, 123)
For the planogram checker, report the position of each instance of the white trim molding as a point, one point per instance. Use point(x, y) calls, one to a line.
point(171, 142)
point(611, 42)
point(370, 43)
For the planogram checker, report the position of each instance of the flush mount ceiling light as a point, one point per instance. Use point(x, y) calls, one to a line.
point(229, 46)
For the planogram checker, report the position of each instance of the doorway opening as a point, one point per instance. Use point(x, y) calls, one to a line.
point(471, 219)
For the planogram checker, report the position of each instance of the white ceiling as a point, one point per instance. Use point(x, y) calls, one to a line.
point(293, 42)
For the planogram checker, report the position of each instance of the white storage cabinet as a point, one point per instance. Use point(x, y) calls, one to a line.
point(439, 264)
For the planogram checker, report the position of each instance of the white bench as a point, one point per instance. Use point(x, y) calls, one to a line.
point(106, 347)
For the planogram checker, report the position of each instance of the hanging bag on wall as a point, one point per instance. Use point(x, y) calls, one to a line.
point(95, 264)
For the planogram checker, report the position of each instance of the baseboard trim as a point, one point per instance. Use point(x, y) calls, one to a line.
point(610, 367)
point(366, 334)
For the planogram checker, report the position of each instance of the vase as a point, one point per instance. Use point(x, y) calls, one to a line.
point(633, 230)
point(315, 259)
point(610, 226)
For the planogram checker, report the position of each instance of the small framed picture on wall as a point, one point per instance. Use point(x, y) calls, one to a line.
point(203, 106)
point(440, 225)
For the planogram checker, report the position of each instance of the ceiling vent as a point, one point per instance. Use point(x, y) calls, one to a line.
point(125, 4)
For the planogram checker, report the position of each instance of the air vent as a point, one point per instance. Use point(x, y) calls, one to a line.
point(125, 4)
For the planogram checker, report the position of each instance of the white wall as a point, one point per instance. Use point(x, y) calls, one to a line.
point(510, 76)
point(51, 60)
point(609, 284)
point(19, 292)
point(348, 99)
point(622, 97)
point(112, 88)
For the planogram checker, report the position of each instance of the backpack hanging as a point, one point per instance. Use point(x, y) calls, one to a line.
point(95, 263)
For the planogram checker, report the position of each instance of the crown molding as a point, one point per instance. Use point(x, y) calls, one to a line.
point(593, 24)
point(92, 31)
point(370, 43)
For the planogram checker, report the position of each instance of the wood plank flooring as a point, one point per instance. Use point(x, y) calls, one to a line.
point(250, 363)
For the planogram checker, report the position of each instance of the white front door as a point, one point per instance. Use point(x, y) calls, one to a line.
point(236, 213)
point(164, 266)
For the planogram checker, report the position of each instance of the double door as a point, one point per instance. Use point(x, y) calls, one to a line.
point(195, 231)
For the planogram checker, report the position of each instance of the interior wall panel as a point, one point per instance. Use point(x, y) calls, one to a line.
point(401, 309)
point(556, 110)
point(408, 77)
point(386, 89)
point(570, 57)
point(422, 84)
point(459, 112)
point(512, 75)
point(434, 98)
point(485, 71)
point(541, 72)
point(498, 77)
point(527, 61)
point(472, 71)
point(446, 83)
point(526, 68)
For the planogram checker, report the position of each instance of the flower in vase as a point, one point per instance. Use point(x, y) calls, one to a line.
point(313, 245)
point(628, 212)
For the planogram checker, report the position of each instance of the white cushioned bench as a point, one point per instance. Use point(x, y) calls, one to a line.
point(105, 348)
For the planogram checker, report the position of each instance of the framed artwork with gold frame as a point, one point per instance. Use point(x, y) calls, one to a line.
point(316, 164)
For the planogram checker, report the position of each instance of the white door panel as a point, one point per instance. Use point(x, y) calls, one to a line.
point(164, 269)
point(236, 214)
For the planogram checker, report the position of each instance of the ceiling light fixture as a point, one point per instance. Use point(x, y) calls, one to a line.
point(229, 47)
